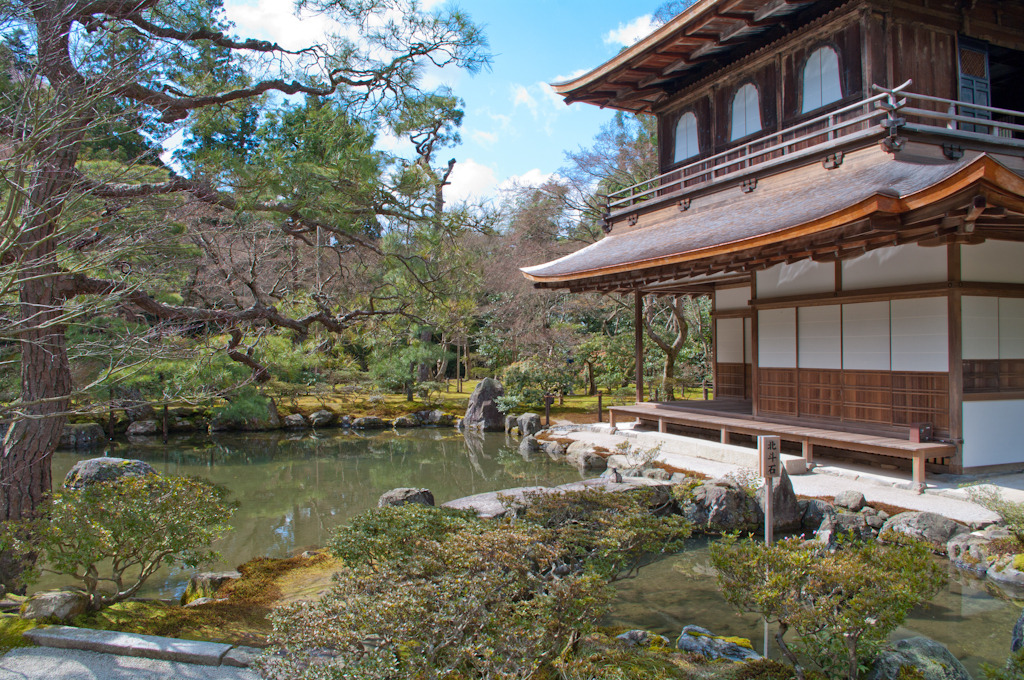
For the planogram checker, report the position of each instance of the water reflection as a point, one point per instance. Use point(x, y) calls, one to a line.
point(972, 619)
point(294, 489)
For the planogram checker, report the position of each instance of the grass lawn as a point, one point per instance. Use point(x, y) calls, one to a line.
point(578, 408)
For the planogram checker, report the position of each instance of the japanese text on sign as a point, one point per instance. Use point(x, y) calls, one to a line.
point(770, 449)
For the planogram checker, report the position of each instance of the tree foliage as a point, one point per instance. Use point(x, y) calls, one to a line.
point(112, 536)
point(841, 604)
point(435, 593)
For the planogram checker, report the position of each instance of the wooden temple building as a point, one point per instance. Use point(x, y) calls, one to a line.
point(846, 181)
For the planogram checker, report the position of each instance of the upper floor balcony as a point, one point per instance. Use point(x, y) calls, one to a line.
point(891, 117)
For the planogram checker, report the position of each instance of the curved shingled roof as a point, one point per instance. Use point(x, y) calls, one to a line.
point(738, 222)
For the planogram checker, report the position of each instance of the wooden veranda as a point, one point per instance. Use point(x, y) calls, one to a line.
point(729, 417)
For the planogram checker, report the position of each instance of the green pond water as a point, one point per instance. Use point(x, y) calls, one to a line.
point(294, 489)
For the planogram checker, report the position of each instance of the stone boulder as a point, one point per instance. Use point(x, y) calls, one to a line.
point(785, 506)
point(295, 421)
point(656, 473)
point(642, 638)
point(842, 524)
point(369, 423)
point(970, 552)
point(528, 423)
point(528, 446)
point(482, 412)
point(96, 470)
point(721, 507)
point(929, 527)
point(406, 422)
point(205, 584)
point(323, 418)
point(930, 659)
point(405, 496)
point(697, 640)
point(555, 450)
point(56, 604)
point(851, 500)
point(82, 436)
point(815, 511)
point(1004, 574)
point(586, 460)
point(511, 422)
point(144, 428)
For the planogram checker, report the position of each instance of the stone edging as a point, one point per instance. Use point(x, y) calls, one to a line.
point(145, 646)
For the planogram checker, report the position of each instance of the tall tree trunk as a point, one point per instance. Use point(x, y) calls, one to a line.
point(28, 446)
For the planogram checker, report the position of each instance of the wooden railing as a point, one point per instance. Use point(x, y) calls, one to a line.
point(886, 113)
point(959, 119)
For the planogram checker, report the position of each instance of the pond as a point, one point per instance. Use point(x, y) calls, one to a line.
point(294, 489)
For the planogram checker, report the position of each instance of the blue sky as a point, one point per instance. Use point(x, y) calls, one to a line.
point(515, 126)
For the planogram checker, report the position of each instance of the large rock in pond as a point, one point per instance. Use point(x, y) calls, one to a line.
point(205, 584)
point(80, 436)
point(528, 446)
point(54, 604)
point(323, 418)
point(815, 512)
point(144, 428)
point(721, 507)
point(369, 423)
point(697, 640)
point(786, 511)
point(929, 527)
point(405, 496)
point(930, 660)
point(295, 421)
point(482, 412)
point(586, 460)
point(1017, 639)
point(528, 423)
point(850, 500)
point(841, 525)
point(97, 470)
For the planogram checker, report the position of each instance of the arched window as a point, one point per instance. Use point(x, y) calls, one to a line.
point(746, 112)
point(687, 145)
point(821, 79)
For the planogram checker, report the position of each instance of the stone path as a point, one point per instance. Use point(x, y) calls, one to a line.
point(67, 653)
point(944, 494)
point(48, 663)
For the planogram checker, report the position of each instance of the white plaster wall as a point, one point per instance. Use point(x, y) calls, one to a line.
point(992, 432)
point(729, 338)
point(776, 338)
point(800, 278)
point(1011, 328)
point(866, 336)
point(993, 261)
point(895, 266)
point(732, 298)
point(821, 337)
point(980, 327)
point(920, 334)
point(748, 333)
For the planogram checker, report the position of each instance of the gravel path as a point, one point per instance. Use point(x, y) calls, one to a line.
point(48, 663)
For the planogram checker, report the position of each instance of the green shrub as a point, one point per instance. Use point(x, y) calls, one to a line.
point(1010, 512)
point(842, 604)
point(1013, 670)
point(245, 408)
point(437, 593)
point(112, 536)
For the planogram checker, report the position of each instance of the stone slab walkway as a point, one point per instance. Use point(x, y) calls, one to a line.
point(944, 493)
point(50, 663)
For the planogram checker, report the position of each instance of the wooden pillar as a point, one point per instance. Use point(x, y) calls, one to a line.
point(956, 363)
point(753, 345)
point(638, 334)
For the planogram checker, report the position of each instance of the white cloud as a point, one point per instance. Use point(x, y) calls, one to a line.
point(276, 21)
point(471, 180)
point(484, 139)
point(627, 34)
point(572, 76)
point(530, 178)
point(522, 97)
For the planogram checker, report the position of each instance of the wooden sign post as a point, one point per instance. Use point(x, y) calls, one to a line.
point(769, 463)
